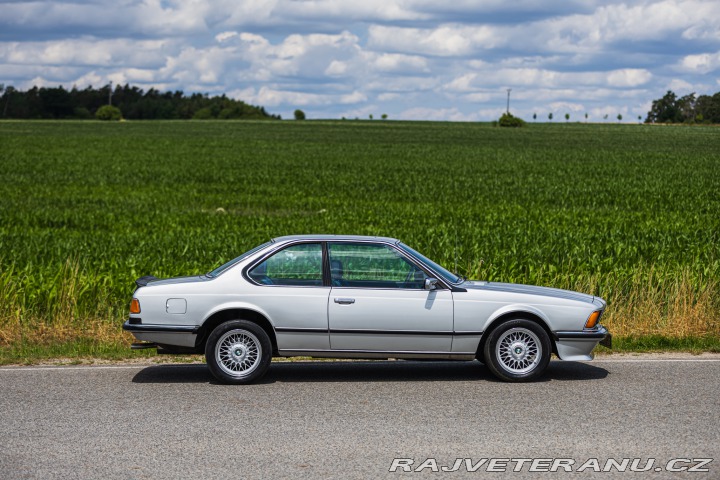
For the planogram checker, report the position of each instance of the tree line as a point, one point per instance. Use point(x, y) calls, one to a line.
point(132, 102)
point(686, 109)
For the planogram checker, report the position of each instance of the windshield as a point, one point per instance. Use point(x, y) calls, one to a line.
point(232, 262)
point(444, 273)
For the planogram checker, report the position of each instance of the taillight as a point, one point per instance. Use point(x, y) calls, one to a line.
point(592, 319)
point(135, 306)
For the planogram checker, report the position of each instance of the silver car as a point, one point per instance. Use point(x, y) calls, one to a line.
point(359, 297)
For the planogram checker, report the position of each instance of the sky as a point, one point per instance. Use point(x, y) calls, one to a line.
point(408, 59)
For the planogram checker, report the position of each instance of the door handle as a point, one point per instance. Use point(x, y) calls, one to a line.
point(344, 301)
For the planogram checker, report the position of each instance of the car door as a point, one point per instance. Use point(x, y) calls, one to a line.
point(378, 302)
point(290, 289)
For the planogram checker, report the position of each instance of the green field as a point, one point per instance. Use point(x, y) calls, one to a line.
point(628, 212)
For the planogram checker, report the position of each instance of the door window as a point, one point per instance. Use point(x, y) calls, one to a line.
point(369, 265)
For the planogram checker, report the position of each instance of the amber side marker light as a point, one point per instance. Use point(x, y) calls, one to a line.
point(135, 306)
point(591, 321)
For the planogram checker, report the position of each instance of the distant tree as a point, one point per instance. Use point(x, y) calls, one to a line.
point(534, 116)
point(707, 108)
point(8, 92)
point(56, 103)
point(384, 116)
point(299, 114)
point(567, 117)
point(686, 108)
point(82, 113)
point(370, 116)
point(108, 112)
point(508, 120)
point(605, 117)
point(640, 118)
point(586, 116)
point(204, 113)
point(619, 117)
point(133, 102)
point(663, 110)
point(550, 115)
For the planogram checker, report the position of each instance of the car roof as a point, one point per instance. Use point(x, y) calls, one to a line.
point(330, 238)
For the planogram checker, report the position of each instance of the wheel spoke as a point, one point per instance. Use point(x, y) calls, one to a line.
point(238, 353)
point(518, 350)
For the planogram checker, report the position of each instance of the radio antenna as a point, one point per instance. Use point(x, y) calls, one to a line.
point(456, 247)
point(454, 218)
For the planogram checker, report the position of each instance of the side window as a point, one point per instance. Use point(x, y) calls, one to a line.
point(368, 265)
point(299, 265)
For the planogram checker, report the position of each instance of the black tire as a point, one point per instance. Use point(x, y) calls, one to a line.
point(238, 352)
point(517, 351)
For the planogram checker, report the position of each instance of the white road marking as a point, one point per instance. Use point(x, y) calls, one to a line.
point(67, 368)
point(72, 367)
point(641, 360)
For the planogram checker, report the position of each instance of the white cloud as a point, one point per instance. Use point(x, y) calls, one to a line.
point(398, 63)
point(354, 97)
point(567, 107)
point(413, 57)
point(336, 68)
point(632, 21)
point(701, 63)
point(153, 18)
point(446, 40)
point(87, 52)
point(272, 97)
point(679, 86)
point(438, 114)
point(628, 77)
point(223, 36)
point(534, 78)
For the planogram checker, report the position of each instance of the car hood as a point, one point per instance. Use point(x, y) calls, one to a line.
point(527, 290)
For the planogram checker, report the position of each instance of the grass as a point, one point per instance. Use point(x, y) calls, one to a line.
point(627, 212)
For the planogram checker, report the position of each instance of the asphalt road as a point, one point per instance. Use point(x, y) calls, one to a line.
point(350, 419)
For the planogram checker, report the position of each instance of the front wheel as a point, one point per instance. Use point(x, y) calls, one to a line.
point(517, 351)
point(238, 352)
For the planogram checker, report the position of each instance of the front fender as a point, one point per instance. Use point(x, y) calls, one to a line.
point(514, 308)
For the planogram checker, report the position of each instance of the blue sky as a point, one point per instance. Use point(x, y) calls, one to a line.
point(410, 59)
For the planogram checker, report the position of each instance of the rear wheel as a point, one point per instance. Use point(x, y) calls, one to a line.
point(238, 352)
point(517, 351)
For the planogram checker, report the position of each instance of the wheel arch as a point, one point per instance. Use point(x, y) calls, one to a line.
point(235, 313)
point(514, 315)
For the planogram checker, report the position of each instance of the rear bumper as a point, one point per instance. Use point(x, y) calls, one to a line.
point(578, 345)
point(176, 335)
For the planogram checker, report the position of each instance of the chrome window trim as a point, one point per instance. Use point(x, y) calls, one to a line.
point(405, 256)
point(393, 245)
point(267, 244)
point(278, 249)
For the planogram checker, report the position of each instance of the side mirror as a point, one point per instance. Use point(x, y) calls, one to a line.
point(431, 284)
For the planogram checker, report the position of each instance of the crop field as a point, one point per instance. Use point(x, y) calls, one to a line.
point(627, 212)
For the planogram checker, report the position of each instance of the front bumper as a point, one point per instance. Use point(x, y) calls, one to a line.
point(578, 345)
